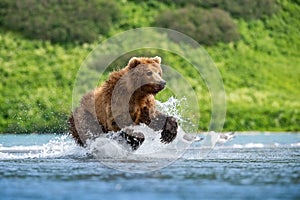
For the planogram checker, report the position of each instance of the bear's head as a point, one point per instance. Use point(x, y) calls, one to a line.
point(146, 74)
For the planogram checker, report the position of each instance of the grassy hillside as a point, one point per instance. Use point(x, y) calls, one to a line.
point(261, 73)
point(36, 83)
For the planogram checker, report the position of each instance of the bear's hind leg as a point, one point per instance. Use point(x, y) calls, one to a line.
point(84, 126)
point(73, 131)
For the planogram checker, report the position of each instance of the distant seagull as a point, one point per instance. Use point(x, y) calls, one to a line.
point(220, 138)
point(192, 137)
point(216, 138)
point(225, 137)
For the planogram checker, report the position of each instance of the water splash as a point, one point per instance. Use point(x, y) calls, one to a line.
point(107, 146)
point(172, 107)
point(111, 151)
point(60, 146)
point(179, 108)
point(63, 146)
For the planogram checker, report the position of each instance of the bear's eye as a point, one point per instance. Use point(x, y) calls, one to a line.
point(149, 73)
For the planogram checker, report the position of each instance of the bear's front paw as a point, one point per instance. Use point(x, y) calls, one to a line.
point(134, 139)
point(169, 131)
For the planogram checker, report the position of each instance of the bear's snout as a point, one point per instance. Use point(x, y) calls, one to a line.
point(162, 83)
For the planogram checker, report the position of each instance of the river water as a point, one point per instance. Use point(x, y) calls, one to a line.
point(250, 166)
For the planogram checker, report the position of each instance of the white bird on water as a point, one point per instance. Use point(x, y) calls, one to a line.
point(216, 138)
point(192, 137)
point(221, 138)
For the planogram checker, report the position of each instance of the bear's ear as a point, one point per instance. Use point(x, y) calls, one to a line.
point(133, 62)
point(157, 59)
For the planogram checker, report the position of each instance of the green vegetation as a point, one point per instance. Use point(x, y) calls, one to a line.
point(60, 21)
point(205, 26)
point(36, 83)
point(261, 71)
point(246, 9)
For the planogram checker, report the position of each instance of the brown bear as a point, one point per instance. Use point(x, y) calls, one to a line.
point(126, 98)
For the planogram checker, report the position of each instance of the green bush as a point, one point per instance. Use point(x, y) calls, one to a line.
point(59, 21)
point(247, 9)
point(205, 26)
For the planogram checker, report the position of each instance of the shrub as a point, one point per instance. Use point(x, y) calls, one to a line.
point(247, 9)
point(59, 21)
point(4, 4)
point(205, 26)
